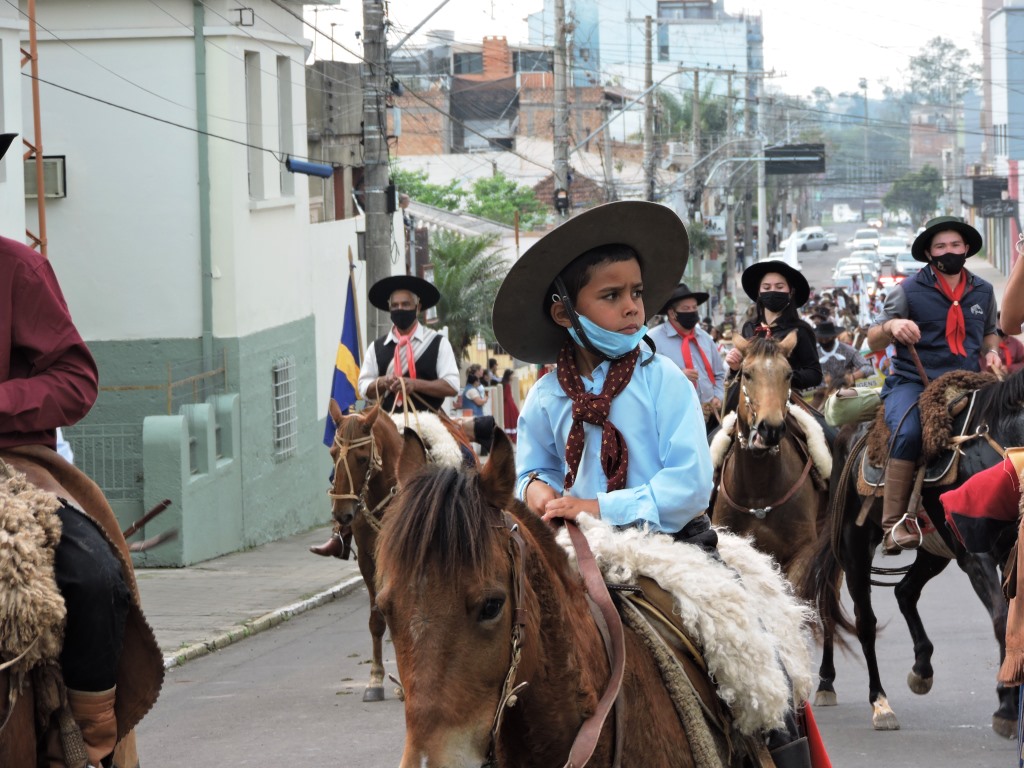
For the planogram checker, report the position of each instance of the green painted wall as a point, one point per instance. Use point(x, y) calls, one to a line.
point(279, 496)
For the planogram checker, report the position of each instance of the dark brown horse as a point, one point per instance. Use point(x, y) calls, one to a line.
point(365, 453)
point(847, 548)
point(765, 489)
point(474, 617)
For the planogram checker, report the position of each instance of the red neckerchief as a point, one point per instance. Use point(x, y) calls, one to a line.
point(595, 409)
point(689, 337)
point(404, 343)
point(763, 329)
point(1007, 354)
point(956, 331)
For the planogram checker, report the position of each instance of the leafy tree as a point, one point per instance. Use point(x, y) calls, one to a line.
point(498, 198)
point(467, 272)
point(916, 192)
point(414, 183)
point(942, 73)
point(677, 115)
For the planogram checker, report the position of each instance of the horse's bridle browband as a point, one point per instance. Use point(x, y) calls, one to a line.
point(586, 738)
point(375, 465)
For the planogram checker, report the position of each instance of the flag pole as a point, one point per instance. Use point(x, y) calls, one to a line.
point(355, 307)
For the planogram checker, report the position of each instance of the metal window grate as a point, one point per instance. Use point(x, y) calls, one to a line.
point(286, 411)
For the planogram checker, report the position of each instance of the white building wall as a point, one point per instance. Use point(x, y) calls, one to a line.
point(12, 178)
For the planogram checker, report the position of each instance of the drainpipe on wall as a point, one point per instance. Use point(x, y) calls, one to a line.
point(202, 127)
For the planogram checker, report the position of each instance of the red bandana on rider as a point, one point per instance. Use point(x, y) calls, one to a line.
point(689, 337)
point(956, 331)
point(763, 329)
point(404, 343)
point(595, 409)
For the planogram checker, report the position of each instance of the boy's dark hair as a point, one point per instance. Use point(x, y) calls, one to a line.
point(581, 269)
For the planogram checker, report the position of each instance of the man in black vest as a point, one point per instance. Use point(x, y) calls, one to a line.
point(949, 316)
point(409, 353)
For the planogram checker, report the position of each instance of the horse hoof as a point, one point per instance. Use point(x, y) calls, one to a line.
point(374, 693)
point(919, 685)
point(1005, 728)
point(882, 717)
point(825, 699)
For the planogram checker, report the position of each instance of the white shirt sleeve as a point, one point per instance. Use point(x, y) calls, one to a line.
point(447, 368)
point(368, 370)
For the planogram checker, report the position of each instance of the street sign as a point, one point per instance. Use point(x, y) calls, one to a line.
point(794, 158)
point(998, 209)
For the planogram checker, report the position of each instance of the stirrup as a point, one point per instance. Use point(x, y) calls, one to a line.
point(911, 525)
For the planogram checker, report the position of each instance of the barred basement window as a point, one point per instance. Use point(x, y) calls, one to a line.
point(286, 411)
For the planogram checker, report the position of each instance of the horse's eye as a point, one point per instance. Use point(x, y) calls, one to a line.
point(491, 609)
point(362, 460)
point(746, 376)
point(789, 375)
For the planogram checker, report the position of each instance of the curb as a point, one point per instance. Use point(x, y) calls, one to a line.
point(261, 623)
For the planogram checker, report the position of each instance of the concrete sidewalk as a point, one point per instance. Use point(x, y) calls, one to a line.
point(211, 605)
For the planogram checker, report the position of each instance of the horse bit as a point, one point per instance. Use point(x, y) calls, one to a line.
point(375, 465)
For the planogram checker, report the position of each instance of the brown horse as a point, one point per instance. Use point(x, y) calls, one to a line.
point(365, 453)
point(765, 489)
point(500, 657)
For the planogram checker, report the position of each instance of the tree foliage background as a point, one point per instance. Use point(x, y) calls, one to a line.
point(916, 192)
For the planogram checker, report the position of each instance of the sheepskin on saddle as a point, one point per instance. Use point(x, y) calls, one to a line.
point(442, 447)
point(742, 615)
point(937, 422)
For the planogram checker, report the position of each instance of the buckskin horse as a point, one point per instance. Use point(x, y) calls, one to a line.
point(365, 453)
point(766, 453)
point(993, 419)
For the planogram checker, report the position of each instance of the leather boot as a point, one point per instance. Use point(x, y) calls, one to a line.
point(94, 713)
point(900, 527)
point(796, 754)
point(333, 547)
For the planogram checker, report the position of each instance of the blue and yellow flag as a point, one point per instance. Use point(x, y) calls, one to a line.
point(346, 364)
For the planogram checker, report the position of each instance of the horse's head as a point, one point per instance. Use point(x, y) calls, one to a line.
point(764, 388)
point(356, 456)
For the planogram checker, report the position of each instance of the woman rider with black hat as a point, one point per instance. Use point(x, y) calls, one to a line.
point(778, 291)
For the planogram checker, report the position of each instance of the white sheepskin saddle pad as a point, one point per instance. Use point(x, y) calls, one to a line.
point(753, 630)
point(442, 449)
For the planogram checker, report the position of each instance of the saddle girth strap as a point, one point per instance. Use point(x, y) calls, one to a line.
point(586, 739)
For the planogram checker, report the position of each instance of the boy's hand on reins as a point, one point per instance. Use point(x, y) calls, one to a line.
point(569, 507)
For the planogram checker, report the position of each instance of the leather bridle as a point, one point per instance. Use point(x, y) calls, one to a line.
point(375, 464)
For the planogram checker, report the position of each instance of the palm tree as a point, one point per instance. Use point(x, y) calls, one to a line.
point(467, 272)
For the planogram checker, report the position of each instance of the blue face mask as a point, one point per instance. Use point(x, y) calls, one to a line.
point(611, 344)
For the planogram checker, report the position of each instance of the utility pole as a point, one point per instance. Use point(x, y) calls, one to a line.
point(561, 126)
point(606, 152)
point(730, 227)
point(762, 213)
point(375, 158)
point(648, 110)
point(695, 114)
point(748, 131)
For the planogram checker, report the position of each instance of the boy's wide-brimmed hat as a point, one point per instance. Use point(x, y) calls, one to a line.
point(683, 292)
point(798, 285)
point(380, 292)
point(923, 242)
point(826, 330)
point(522, 324)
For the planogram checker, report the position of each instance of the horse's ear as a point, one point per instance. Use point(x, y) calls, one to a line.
point(788, 344)
point(370, 417)
point(738, 342)
point(335, 411)
point(498, 477)
point(413, 458)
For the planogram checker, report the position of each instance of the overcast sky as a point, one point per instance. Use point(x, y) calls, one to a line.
point(832, 43)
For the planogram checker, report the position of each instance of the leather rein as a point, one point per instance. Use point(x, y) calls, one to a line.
point(375, 465)
point(615, 645)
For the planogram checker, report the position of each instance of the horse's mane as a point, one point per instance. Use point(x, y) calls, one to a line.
point(761, 346)
point(1000, 401)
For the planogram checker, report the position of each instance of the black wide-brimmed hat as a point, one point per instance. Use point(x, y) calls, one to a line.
point(6, 139)
point(826, 330)
point(923, 242)
point(683, 292)
point(522, 324)
point(798, 285)
point(380, 292)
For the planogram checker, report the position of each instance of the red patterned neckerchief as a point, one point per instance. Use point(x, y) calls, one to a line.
point(956, 331)
point(595, 409)
point(404, 343)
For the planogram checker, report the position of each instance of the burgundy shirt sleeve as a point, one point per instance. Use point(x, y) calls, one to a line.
point(48, 377)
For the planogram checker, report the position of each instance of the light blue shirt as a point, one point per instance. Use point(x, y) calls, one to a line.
point(668, 479)
point(670, 344)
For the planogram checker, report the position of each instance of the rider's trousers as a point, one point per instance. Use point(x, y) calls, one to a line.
point(97, 599)
point(900, 399)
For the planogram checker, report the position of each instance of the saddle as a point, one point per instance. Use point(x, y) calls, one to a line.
point(946, 406)
point(140, 674)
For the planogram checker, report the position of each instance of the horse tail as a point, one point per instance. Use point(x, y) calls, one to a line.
point(822, 582)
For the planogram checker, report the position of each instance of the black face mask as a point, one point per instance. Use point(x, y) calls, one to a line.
point(950, 263)
point(774, 301)
point(403, 318)
point(828, 346)
point(687, 320)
